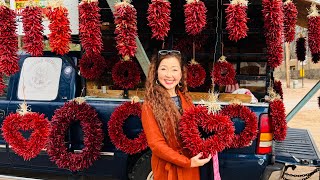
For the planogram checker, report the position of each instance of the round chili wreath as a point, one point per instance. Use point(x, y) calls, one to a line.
point(126, 74)
point(251, 124)
point(115, 129)
point(36, 122)
point(221, 79)
point(278, 120)
point(197, 117)
point(196, 75)
point(92, 66)
point(93, 136)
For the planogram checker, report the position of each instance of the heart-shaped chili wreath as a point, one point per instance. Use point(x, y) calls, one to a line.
point(220, 125)
point(251, 124)
point(31, 147)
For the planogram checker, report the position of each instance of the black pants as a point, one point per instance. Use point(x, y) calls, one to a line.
point(206, 171)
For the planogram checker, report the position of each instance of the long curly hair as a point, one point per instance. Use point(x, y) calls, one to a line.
point(164, 109)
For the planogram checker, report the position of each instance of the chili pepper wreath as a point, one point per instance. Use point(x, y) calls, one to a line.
point(205, 116)
point(195, 16)
point(33, 29)
point(26, 120)
point(301, 48)
point(273, 25)
point(115, 128)
point(250, 131)
point(159, 18)
point(290, 20)
point(89, 27)
point(313, 32)
point(126, 74)
point(60, 35)
point(236, 15)
point(277, 116)
point(8, 41)
point(92, 66)
point(72, 111)
point(223, 72)
point(125, 18)
point(196, 74)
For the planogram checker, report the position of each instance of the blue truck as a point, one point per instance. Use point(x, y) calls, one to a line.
point(46, 83)
point(54, 80)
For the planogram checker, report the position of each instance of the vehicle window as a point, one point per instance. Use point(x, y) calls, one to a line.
point(257, 87)
point(253, 68)
point(39, 78)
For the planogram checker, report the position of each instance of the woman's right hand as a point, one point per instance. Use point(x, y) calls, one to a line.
point(196, 161)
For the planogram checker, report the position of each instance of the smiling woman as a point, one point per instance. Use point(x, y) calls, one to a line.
point(165, 101)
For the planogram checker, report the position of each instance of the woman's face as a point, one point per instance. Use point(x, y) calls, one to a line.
point(169, 73)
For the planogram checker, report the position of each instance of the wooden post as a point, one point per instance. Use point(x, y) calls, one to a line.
point(287, 47)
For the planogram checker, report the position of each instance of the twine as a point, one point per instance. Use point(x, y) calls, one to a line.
point(211, 104)
point(235, 101)
point(313, 11)
point(134, 99)
point(273, 95)
point(193, 62)
point(23, 109)
point(222, 59)
point(126, 58)
point(239, 2)
point(191, 1)
point(287, 2)
point(79, 100)
point(55, 3)
point(3, 3)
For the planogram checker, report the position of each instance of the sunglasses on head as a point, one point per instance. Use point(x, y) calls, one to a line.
point(166, 52)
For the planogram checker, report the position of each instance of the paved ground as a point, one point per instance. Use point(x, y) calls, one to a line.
point(307, 118)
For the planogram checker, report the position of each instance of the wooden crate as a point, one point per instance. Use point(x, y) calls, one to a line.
point(223, 97)
point(226, 97)
point(198, 96)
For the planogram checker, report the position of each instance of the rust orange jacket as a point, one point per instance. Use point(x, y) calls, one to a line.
point(166, 162)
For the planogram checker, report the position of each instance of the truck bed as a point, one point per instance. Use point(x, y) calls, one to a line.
point(297, 149)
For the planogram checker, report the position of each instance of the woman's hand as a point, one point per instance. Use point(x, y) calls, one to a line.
point(196, 161)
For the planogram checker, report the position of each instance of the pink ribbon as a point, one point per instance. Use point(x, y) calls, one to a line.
point(216, 173)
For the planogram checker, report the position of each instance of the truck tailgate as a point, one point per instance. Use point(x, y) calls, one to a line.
point(297, 149)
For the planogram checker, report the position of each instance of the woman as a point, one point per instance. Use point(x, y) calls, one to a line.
point(165, 100)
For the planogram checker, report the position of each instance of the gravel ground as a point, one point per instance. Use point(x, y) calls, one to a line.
point(307, 118)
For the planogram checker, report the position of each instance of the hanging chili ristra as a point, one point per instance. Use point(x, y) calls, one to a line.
point(159, 18)
point(301, 49)
point(89, 27)
point(8, 41)
point(126, 28)
point(195, 16)
point(60, 35)
point(273, 25)
point(313, 32)
point(236, 15)
point(290, 20)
